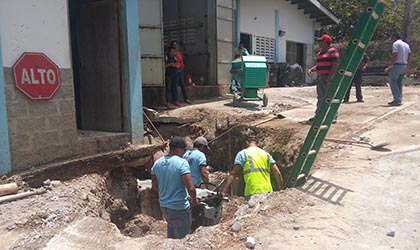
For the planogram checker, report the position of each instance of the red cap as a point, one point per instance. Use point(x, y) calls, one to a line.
point(326, 38)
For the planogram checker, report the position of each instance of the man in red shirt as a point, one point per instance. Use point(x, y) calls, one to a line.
point(174, 45)
point(326, 65)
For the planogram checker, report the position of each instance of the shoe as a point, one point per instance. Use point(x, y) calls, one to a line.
point(334, 121)
point(393, 102)
point(168, 105)
point(188, 101)
point(396, 103)
point(360, 101)
point(346, 101)
point(177, 104)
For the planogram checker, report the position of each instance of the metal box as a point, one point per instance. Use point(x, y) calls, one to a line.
point(251, 73)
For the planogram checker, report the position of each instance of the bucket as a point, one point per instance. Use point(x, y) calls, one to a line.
point(188, 79)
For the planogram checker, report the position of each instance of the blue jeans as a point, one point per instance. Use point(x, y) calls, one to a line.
point(171, 86)
point(179, 222)
point(396, 76)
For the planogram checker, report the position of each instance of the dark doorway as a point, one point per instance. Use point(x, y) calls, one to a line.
point(187, 22)
point(95, 31)
point(295, 53)
point(247, 40)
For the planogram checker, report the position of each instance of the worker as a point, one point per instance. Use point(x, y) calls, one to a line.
point(198, 162)
point(256, 165)
point(171, 178)
point(325, 68)
point(241, 50)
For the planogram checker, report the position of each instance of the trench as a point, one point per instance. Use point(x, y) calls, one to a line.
point(133, 207)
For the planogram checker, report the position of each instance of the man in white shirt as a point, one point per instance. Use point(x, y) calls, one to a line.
point(398, 67)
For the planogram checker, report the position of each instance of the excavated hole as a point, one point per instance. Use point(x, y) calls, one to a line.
point(132, 205)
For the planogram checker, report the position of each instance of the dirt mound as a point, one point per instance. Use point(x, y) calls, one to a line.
point(142, 225)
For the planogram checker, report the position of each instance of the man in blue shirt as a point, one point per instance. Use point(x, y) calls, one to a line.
point(171, 177)
point(198, 162)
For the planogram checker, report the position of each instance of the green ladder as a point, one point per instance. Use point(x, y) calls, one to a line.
point(348, 66)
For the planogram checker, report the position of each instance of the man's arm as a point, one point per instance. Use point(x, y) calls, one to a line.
point(155, 185)
point(277, 175)
point(332, 73)
point(187, 180)
point(393, 59)
point(311, 70)
point(232, 176)
point(408, 62)
point(204, 175)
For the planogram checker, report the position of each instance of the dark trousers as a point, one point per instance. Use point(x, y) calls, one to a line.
point(171, 86)
point(357, 80)
point(182, 84)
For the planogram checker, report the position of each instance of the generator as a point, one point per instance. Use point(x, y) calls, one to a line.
point(209, 210)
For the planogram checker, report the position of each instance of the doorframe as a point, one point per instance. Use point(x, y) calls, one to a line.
point(133, 83)
point(5, 162)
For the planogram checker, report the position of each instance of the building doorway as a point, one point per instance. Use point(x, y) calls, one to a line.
point(95, 31)
point(247, 40)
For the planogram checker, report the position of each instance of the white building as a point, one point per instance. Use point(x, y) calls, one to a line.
point(282, 30)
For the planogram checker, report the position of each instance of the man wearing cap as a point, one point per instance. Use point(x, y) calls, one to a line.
point(171, 177)
point(256, 165)
point(326, 65)
point(398, 67)
point(197, 161)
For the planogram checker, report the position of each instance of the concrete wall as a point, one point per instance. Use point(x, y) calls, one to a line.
point(43, 131)
point(259, 19)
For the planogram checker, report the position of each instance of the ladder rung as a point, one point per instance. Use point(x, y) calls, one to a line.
point(329, 100)
point(348, 73)
point(322, 127)
point(361, 45)
point(301, 176)
point(312, 152)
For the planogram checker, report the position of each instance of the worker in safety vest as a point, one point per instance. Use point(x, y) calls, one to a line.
point(256, 166)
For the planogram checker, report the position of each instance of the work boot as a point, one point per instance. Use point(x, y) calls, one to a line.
point(394, 103)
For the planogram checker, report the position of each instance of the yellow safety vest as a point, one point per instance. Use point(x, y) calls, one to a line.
point(256, 171)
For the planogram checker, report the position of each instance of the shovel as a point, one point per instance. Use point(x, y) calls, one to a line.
point(378, 147)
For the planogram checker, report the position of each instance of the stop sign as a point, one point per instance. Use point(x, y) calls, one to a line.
point(36, 76)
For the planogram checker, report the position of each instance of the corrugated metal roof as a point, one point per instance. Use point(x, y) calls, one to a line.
point(316, 11)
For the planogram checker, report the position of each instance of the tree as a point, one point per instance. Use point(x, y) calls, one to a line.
point(400, 16)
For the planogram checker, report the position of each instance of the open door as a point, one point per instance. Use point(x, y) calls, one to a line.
point(151, 40)
point(96, 53)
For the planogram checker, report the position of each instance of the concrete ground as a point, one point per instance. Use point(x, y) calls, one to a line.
point(357, 198)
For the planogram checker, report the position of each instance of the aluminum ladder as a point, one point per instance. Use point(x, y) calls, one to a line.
point(341, 82)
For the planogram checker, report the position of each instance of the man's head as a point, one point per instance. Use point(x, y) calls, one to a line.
point(201, 143)
point(177, 146)
point(251, 140)
point(395, 37)
point(241, 45)
point(325, 41)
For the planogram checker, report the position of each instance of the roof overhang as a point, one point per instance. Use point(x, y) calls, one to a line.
point(316, 11)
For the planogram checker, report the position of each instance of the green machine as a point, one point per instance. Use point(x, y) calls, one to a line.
point(251, 73)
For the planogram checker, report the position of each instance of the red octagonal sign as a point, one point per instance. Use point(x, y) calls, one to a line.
point(36, 76)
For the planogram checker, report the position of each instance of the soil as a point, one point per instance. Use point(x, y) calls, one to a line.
point(356, 198)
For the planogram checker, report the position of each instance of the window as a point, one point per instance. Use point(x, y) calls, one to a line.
point(264, 46)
